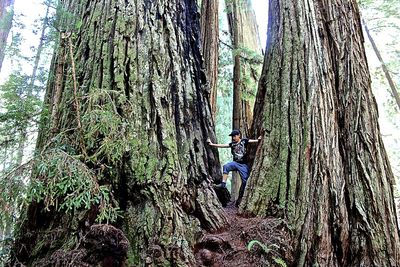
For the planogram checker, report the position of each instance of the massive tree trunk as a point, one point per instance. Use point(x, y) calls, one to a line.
point(6, 17)
point(133, 115)
point(246, 71)
point(322, 163)
point(210, 44)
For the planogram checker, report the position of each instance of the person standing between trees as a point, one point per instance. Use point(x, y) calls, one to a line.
point(240, 160)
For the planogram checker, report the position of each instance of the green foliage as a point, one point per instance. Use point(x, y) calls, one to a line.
point(21, 105)
point(104, 129)
point(250, 73)
point(279, 261)
point(12, 198)
point(19, 113)
point(12, 50)
point(248, 55)
point(225, 71)
point(66, 184)
point(265, 248)
point(17, 105)
point(224, 124)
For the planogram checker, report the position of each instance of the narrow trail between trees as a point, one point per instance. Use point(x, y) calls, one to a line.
point(268, 239)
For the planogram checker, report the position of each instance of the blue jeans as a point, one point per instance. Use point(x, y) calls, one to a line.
point(242, 168)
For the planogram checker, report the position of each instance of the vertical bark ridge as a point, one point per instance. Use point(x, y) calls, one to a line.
point(144, 89)
point(209, 47)
point(322, 163)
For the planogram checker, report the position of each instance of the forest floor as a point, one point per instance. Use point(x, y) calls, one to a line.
point(267, 237)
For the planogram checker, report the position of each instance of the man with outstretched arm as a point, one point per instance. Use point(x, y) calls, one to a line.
point(240, 160)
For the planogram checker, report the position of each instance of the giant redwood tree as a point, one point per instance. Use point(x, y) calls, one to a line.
point(322, 163)
point(122, 140)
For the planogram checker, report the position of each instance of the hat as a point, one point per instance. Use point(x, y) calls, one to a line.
point(234, 132)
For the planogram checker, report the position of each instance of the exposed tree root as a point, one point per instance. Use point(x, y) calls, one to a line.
point(104, 245)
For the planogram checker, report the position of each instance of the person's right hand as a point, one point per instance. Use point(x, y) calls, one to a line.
point(208, 141)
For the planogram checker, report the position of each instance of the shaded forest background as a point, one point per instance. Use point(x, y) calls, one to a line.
point(24, 75)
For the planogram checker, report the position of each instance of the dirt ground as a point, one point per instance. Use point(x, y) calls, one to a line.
point(230, 246)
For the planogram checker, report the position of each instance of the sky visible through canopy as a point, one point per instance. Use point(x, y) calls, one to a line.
point(28, 13)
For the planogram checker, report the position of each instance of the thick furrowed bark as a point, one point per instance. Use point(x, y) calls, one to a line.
point(143, 60)
point(322, 163)
point(209, 47)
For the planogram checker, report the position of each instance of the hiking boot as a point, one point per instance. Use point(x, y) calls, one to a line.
point(237, 203)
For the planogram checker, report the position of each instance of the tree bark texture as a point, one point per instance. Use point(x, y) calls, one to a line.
point(139, 62)
point(322, 162)
point(210, 43)
point(6, 17)
point(244, 35)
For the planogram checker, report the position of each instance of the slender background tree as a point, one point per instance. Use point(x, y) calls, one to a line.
point(382, 19)
point(246, 69)
point(385, 69)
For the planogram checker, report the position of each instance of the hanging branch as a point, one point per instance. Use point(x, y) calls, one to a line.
point(249, 60)
point(76, 103)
